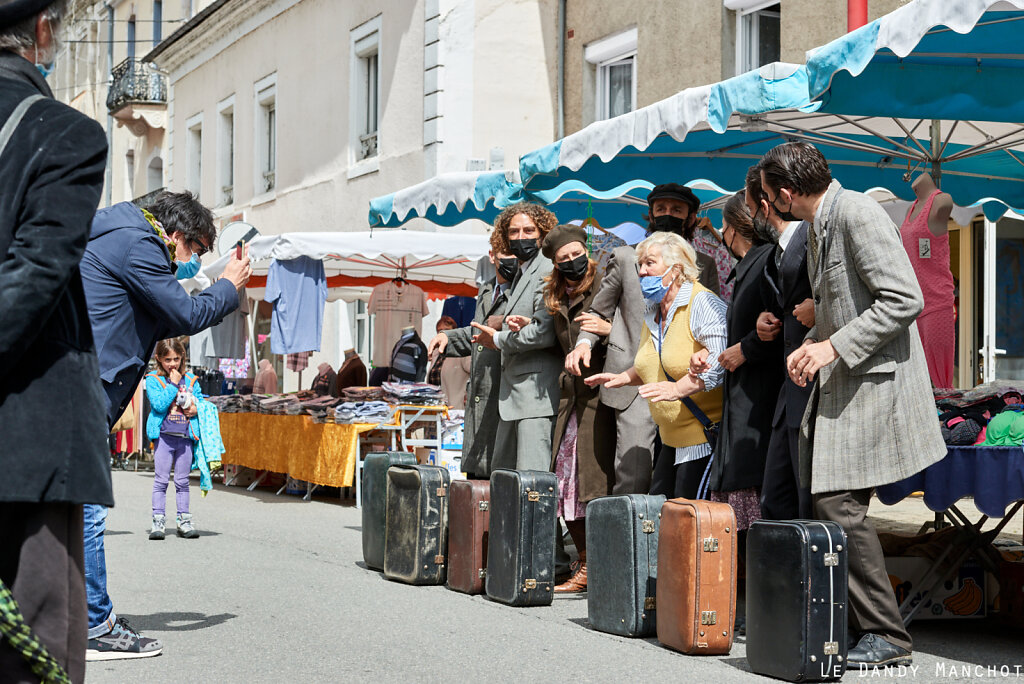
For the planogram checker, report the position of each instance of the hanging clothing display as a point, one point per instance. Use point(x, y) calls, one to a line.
point(395, 305)
point(929, 255)
point(298, 290)
point(409, 358)
point(298, 362)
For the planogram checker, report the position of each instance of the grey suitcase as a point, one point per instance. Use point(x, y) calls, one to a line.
point(622, 563)
point(416, 527)
point(521, 542)
point(374, 489)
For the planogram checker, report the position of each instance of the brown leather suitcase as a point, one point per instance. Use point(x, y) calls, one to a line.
point(696, 584)
point(468, 521)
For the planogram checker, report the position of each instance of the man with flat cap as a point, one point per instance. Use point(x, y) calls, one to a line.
point(52, 160)
point(617, 312)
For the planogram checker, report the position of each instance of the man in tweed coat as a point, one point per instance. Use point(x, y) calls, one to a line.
point(870, 420)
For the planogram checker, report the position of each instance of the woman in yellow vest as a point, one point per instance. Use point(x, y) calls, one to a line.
point(682, 318)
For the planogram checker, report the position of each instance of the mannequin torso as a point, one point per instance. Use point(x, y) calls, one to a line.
point(942, 205)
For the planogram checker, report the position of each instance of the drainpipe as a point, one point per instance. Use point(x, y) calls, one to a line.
point(856, 14)
point(561, 68)
point(110, 117)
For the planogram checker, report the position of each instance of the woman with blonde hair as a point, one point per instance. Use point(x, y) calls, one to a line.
point(583, 447)
point(682, 318)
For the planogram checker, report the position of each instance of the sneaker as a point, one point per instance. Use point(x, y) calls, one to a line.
point(120, 643)
point(185, 528)
point(158, 527)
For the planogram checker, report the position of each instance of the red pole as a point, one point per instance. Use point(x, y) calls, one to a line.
point(856, 14)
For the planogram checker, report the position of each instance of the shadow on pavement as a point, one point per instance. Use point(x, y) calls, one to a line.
point(177, 622)
point(987, 641)
point(113, 533)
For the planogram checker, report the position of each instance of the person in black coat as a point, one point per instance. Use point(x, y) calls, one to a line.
point(791, 313)
point(54, 456)
point(753, 373)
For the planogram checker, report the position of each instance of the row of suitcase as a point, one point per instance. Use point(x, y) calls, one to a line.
point(498, 537)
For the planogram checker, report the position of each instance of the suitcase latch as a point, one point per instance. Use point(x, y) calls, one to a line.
point(649, 603)
point(483, 573)
point(708, 617)
point(440, 491)
point(648, 527)
point(711, 544)
point(439, 559)
point(831, 648)
point(484, 505)
point(530, 584)
point(831, 560)
point(533, 496)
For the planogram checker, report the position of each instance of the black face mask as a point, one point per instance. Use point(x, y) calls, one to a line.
point(574, 269)
point(666, 224)
point(524, 249)
point(785, 215)
point(508, 267)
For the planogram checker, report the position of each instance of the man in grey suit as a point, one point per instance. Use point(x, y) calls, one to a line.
point(870, 420)
point(617, 312)
point(530, 363)
point(485, 370)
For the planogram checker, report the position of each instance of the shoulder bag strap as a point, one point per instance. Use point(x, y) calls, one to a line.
point(15, 118)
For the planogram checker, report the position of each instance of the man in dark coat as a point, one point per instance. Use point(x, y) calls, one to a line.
point(135, 301)
point(792, 315)
point(51, 172)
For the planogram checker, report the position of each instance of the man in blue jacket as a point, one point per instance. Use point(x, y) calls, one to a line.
point(134, 301)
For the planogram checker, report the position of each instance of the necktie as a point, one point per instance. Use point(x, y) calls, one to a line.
point(812, 246)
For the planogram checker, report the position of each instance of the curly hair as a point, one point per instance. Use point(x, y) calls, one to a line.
point(541, 217)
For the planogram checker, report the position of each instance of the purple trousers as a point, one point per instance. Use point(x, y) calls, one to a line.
point(176, 451)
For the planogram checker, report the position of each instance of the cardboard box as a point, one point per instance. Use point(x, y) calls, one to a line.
point(961, 596)
point(452, 460)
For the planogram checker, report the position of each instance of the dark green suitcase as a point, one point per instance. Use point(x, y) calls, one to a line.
point(374, 494)
point(416, 531)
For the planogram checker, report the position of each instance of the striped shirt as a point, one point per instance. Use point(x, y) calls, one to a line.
point(707, 323)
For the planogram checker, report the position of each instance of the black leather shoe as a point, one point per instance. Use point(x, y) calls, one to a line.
point(740, 627)
point(874, 651)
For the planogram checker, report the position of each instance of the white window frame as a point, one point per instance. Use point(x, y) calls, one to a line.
point(363, 344)
point(194, 155)
point(226, 177)
point(607, 52)
point(129, 170)
point(747, 30)
point(364, 145)
point(265, 168)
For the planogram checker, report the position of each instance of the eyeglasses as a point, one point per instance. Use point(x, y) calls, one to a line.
point(198, 248)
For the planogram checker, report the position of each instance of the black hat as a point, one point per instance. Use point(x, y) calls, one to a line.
point(674, 191)
point(559, 237)
point(13, 11)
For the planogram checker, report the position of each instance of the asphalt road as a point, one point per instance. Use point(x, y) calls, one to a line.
point(275, 591)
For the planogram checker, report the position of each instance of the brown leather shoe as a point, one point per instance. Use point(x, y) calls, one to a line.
point(577, 584)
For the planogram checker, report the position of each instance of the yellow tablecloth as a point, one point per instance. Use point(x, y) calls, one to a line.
point(321, 453)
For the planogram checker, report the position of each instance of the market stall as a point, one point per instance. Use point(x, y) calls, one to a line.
point(324, 452)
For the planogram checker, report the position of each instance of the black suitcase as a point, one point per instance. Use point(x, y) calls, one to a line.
point(622, 563)
point(521, 542)
point(373, 492)
point(416, 526)
point(797, 599)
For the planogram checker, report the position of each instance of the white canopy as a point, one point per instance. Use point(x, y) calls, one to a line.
point(421, 258)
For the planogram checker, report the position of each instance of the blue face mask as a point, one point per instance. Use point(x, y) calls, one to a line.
point(45, 69)
point(653, 288)
point(187, 269)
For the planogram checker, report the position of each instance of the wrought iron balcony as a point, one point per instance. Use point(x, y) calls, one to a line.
point(135, 82)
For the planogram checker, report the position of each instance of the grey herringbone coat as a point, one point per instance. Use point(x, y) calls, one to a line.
point(871, 419)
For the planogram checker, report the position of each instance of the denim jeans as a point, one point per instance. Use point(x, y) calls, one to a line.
point(101, 610)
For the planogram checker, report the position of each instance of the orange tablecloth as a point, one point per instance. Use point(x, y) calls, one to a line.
point(321, 453)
